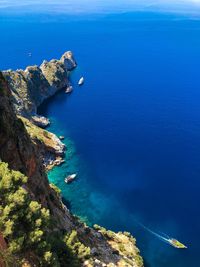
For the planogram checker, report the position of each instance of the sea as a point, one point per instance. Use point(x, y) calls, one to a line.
point(132, 130)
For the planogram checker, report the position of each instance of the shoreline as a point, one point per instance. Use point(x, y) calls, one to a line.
point(30, 88)
point(105, 246)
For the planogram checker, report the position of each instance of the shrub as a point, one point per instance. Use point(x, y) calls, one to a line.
point(55, 188)
point(23, 221)
point(76, 246)
point(28, 227)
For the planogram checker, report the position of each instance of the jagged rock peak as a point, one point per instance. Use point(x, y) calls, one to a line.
point(68, 60)
point(30, 87)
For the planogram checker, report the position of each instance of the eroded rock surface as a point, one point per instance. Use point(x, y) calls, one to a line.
point(30, 87)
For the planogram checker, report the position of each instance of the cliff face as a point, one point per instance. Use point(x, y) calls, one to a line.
point(31, 86)
point(50, 149)
point(19, 150)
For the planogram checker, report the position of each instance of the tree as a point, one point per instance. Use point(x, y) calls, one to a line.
point(23, 221)
point(28, 228)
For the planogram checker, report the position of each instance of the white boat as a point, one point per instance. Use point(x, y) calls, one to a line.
point(81, 81)
point(70, 178)
point(175, 243)
point(69, 89)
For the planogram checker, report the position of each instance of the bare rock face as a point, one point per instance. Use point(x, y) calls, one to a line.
point(68, 60)
point(56, 75)
point(40, 121)
point(21, 93)
point(17, 149)
point(50, 149)
point(30, 87)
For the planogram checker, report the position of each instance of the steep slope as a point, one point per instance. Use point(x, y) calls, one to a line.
point(17, 149)
point(21, 154)
point(51, 149)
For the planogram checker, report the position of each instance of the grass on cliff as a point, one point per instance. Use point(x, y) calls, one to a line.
point(123, 242)
point(34, 131)
point(37, 133)
point(28, 228)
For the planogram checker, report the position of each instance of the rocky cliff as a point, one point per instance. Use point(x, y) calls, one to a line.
point(50, 149)
point(22, 93)
point(17, 149)
point(30, 87)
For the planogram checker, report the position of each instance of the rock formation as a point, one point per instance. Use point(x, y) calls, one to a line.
point(30, 87)
point(51, 150)
point(21, 94)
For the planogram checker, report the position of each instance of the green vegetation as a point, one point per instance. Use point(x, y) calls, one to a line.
point(76, 246)
point(28, 229)
point(107, 233)
point(122, 248)
point(139, 260)
point(121, 244)
point(36, 132)
point(55, 188)
point(99, 228)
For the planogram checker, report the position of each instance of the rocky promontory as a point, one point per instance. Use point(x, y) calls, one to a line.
point(50, 149)
point(24, 148)
point(30, 87)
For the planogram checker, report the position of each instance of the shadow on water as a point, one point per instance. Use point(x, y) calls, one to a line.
point(59, 96)
point(147, 264)
point(67, 203)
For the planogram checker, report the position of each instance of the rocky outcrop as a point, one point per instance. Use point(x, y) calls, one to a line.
point(30, 87)
point(51, 150)
point(40, 121)
point(109, 249)
point(19, 149)
point(68, 60)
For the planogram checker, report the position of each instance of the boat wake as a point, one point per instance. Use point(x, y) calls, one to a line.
point(164, 237)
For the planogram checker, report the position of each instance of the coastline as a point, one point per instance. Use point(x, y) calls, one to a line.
point(29, 88)
point(129, 127)
point(108, 244)
point(105, 246)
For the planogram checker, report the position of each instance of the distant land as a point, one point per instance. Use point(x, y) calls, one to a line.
point(187, 7)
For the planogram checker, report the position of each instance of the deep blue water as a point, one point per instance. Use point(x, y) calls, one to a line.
point(133, 129)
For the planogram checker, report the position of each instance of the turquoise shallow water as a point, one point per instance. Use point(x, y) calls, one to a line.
point(91, 206)
point(132, 130)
